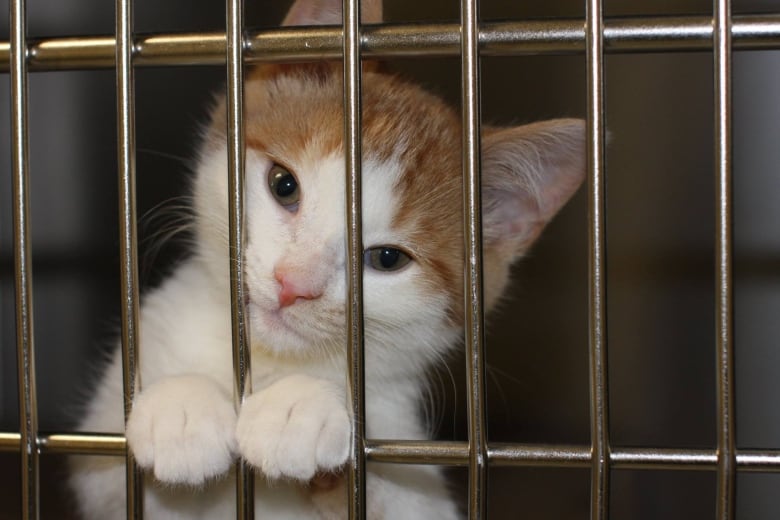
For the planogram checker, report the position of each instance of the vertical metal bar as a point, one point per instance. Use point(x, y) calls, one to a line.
point(356, 474)
point(727, 463)
point(472, 233)
point(128, 238)
point(599, 407)
point(242, 373)
point(28, 413)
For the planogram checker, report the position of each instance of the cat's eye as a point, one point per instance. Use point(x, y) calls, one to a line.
point(386, 258)
point(284, 187)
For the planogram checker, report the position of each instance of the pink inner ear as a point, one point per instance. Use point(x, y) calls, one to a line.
point(328, 12)
point(511, 216)
point(528, 173)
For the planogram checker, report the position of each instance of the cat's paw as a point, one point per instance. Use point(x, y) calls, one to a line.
point(183, 428)
point(295, 428)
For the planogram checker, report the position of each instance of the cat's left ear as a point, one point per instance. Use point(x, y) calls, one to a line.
point(528, 173)
point(328, 12)
point(320, 12)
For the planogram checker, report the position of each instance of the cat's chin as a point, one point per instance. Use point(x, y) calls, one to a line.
point(277, 332)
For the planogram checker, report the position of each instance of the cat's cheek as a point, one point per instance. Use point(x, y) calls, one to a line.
point(402, 297)
point(183, 429)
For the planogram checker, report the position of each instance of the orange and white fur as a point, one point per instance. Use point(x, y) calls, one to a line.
point(295, 427)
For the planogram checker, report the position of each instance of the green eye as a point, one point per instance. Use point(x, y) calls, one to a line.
point(284, 187)
point(386, 258)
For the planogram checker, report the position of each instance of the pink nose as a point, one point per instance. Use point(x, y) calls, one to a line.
point(293, 287)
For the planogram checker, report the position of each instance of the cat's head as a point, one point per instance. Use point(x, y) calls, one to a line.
point(412, 206)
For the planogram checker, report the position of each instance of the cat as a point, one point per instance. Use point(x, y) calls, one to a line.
point(295, 426)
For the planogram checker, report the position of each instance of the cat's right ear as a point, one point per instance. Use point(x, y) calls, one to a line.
point(328, 12)
point(528, 174)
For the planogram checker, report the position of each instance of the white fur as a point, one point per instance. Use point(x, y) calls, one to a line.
point(183, 426)
point(294, 428)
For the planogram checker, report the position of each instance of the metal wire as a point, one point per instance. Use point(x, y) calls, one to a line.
point(657, 34)
point(723, 275)
point(242, 372)
point(129, 289)
point(722, 34)
point(356, 478)
point(599, 396)
point(472, 236)
point(449, 453)
point(25, 352)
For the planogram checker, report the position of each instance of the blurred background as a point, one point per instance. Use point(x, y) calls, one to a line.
point(660, 248)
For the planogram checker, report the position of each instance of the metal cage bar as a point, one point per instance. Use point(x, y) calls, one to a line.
point(597, 36)
point(597, 294)
point(128, 238)
point(242, 373)
point(356, 470)
point(724, 301)
point(621, 35)
point(25, 351)
point(450, 453)
point(472, 236)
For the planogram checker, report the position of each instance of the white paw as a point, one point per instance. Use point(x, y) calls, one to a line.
point(183, 428)
point(294, 428)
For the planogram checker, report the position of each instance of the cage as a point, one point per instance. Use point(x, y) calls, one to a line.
point(659, 282)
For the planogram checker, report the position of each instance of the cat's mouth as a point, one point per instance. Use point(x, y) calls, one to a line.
point(269, 321)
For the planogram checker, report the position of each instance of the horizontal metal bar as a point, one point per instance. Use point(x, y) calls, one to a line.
point(532, 455)
point(448, 453)
point(70, 443)
point(97, 444)
point(657, 34)
point(454, 453)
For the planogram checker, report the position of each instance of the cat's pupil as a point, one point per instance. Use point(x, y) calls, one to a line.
point(388, 257)
point(284, 187)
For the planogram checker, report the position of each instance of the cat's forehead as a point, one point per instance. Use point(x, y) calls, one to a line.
point(290, 110)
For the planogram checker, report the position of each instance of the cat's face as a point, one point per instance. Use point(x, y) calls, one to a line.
point(412, 210)
point(295, 214)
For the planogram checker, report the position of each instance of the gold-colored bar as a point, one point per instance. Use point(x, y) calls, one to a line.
point(25, 344)
point(92, 444)
point(9, 441)
point(182, 49)
point(472, 236)
point(456, 453)
point(599, 400)
point(724, 300)
point(448, 453)
point(566, 36)
point(69, 443)
point(131, 376)
point(242, 368)
point(356, 471)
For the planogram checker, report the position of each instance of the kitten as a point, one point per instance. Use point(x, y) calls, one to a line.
point(296, 425)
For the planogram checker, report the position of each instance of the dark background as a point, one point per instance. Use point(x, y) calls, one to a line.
point(660, 252)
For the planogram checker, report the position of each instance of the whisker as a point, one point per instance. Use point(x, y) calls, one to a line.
point(182, 160)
